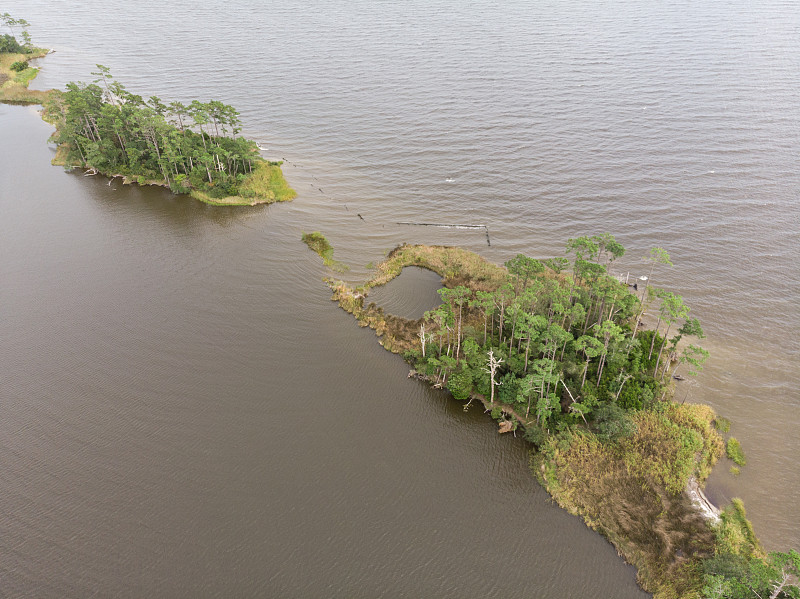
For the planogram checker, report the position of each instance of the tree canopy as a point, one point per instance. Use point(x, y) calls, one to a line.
point(107, 128)
point(8, 41)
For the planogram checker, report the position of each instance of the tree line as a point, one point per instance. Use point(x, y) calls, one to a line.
point(559, 348)
point(105, 127)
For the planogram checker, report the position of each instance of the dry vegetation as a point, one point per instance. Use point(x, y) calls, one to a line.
point(14, 85)
point(632, 491)
point(456, 266)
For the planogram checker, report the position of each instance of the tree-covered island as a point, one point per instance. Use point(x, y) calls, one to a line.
point(554, 350)
point(191, 148)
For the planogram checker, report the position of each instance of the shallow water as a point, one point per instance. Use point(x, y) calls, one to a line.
point(412, 293)
point(185, 411)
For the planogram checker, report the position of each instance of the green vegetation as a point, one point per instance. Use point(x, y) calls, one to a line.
point(320, 244)
point(740, 569)
point(735, 452)
point(723, 424)
point(108, 130)
point(15, 73)
point(556, 355)
point(8, 41)
point(189, 148)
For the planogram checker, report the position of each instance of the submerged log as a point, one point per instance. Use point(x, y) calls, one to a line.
point(449, 226)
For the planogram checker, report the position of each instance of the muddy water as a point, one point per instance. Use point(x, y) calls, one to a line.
point(186, 413)
point(410, 295)
point(183, 408)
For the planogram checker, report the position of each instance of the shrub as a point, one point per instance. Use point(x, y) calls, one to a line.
point(8, 43)
point(535, 435)
point(507, 391)
point(482, 383)
point(460, 384)
point(613, 422)
point(19, 66)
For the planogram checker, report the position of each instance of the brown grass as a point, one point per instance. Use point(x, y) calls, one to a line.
point(621, 490)
point(455, 265)
point(14, 86)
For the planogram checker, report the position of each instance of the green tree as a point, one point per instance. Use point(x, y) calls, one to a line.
point(456, 298)
point(591, 348)
point(607, 332)
point(484, 301)
point(672, 309)
point(655, 257)
point(460, 384)
point(608, 248)
point(522, 269)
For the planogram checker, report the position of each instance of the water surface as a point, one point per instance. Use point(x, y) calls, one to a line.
point(186, 412)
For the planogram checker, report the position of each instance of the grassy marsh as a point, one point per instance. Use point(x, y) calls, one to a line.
point(14, 84)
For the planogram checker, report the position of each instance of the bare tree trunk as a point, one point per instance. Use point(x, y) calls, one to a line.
point(458, 335)
point(661, 349)
point(625, 380)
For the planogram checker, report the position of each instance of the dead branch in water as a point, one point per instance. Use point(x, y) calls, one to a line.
point(484, 227)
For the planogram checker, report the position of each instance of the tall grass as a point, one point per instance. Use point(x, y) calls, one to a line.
point(266, 184)
point(320, 244)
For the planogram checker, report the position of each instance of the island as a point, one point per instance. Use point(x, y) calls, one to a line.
point(191, 148)
point(555, 351)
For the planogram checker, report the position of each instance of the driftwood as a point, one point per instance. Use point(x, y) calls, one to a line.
point(484, 227)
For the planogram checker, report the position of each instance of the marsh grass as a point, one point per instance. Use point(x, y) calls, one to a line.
point(455, 265)
point(735, 452)
point(631, 491)
point(14, 84)
point(266, 184)
point(320, 244)
point(723, 424)
point(25, 76)
point(735, 534)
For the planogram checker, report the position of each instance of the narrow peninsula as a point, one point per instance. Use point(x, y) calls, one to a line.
point(555, 351)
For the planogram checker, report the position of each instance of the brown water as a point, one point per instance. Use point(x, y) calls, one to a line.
point(183, 410)
point(410, 295)
point(186, 413)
